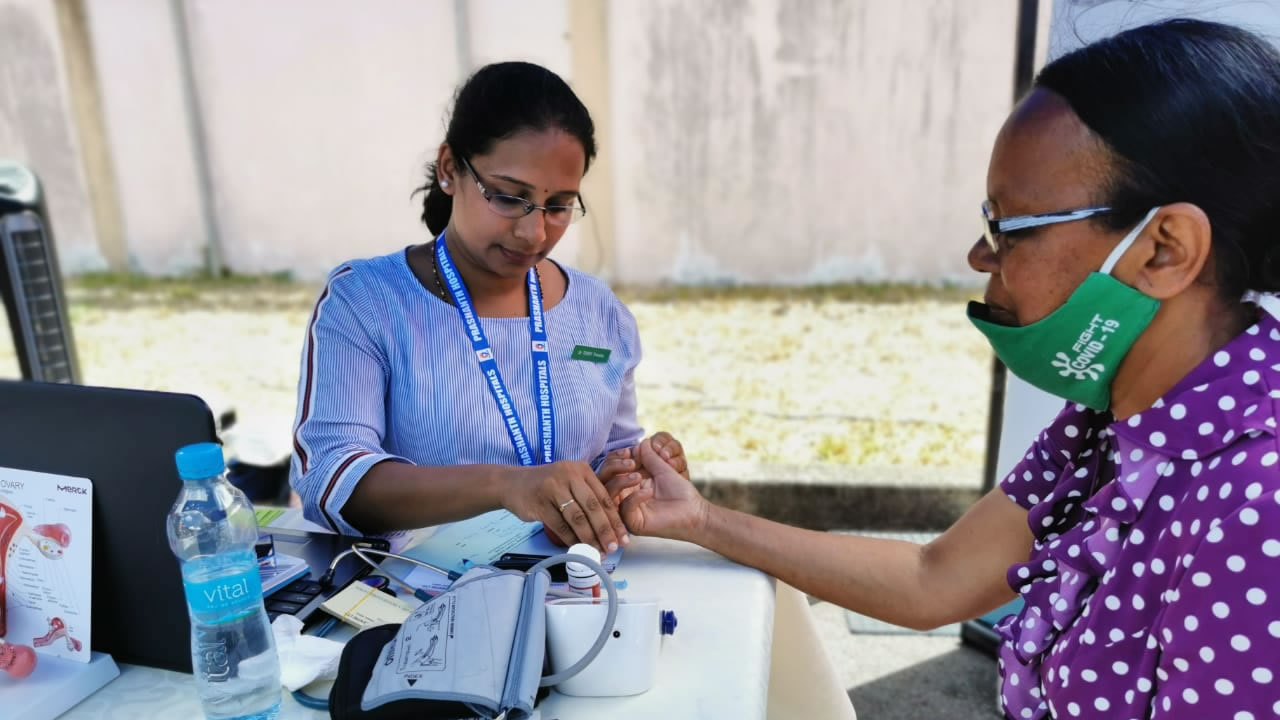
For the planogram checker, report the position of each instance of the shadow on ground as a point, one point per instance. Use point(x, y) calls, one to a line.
point(957, 684)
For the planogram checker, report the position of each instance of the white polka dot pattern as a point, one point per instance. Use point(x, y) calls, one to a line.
point(1155, 576)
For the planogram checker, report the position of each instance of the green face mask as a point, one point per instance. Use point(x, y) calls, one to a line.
point(1075, 351)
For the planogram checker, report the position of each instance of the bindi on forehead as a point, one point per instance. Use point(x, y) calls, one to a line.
point(532, 186)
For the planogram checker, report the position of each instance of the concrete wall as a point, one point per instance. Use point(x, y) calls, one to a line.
point(752, 141)
point(318, 119)
point(149, 132)
point(795, 142)
point(36, 124)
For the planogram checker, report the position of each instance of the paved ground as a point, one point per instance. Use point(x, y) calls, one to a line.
point(908, 676)
point(896, 674)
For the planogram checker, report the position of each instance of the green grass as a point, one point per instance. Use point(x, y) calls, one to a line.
point(107, 285)
point(109, 289)
point(878, 293)
point(134, 282)
point(833, 449)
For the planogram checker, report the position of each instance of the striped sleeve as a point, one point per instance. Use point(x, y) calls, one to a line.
point(340, 425)
point(625, 430)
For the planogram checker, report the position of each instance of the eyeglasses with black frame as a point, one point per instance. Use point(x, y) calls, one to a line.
point(510, 206)
point(992, 226)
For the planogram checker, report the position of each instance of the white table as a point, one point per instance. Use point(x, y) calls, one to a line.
point(715, 666)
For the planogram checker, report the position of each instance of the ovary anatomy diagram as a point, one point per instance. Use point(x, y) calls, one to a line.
point(57, 629)
point(51, 540)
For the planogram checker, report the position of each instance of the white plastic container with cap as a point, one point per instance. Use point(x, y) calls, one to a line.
point(628, 663)
point(582, 579)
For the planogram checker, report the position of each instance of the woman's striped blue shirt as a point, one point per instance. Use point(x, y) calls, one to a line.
point(388, 373)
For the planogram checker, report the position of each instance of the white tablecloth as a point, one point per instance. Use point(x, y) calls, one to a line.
point(715, 666)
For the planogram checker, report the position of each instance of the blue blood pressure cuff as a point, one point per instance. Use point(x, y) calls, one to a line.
point(476, 650)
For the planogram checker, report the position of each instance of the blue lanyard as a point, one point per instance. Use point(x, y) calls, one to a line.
point(489, 366)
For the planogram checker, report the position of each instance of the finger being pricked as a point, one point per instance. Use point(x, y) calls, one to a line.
point(622, 485)
point(616, 464)
point(667, 446)
point(651, 459)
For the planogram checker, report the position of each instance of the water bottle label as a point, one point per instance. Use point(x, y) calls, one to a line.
point(225, 594)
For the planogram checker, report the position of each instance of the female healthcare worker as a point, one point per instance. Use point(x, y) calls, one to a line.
point(472, 373)
point(1132, 220)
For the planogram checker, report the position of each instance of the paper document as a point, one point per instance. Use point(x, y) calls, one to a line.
point(477, 541)
point(480, 541)
point(287, 519)
point(364, 606)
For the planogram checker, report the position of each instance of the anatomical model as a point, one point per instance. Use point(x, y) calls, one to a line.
point(51, 541)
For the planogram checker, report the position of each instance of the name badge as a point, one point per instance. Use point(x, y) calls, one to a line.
point(591, 354)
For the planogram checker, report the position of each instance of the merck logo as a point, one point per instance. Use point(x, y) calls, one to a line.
point(72, 489)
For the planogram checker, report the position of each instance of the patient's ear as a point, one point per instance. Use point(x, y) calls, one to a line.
point(1173, 250)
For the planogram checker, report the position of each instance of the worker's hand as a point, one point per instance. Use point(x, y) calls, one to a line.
point(570, 501)
point(666, 504)
point(620, 474)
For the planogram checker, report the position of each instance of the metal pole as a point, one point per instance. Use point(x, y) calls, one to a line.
point(462, 38)
point(1023, 72)
point(199, 139)
point(1025, 53)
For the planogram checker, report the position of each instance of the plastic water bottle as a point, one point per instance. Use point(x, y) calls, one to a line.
point(212, 530)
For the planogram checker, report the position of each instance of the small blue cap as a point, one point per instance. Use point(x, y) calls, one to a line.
point(200, 461)
point(668, 622)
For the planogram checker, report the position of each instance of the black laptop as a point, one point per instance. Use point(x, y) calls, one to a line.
point(124, 441)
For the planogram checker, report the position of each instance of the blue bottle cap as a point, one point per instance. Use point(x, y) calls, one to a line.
point(200, 461)
point(668, 622)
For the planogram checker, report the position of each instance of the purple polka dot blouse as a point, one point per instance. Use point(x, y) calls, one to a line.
point(1153, 586)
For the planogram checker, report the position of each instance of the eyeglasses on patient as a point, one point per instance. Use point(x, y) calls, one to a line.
point(993, 227)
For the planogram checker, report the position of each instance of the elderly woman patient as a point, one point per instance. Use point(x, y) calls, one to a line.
point(1131, 231)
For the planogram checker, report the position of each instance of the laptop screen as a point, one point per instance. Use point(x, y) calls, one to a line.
point(123, 441)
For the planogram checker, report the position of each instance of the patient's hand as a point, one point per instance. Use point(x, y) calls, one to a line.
point(671, 451)
point(621, 472)
point(665, 504)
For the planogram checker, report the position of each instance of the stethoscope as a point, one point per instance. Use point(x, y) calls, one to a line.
point(359, 549)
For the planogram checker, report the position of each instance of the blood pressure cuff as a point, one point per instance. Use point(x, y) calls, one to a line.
point(476, 650)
